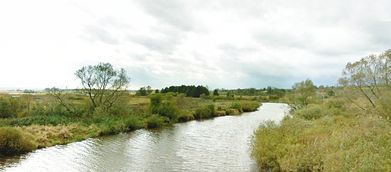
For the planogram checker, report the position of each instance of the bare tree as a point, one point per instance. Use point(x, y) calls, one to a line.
point(103, 84)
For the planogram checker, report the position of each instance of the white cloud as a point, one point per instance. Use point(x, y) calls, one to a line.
point(219, 43)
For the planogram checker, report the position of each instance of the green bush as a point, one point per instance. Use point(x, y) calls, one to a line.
point(329, 143)
point(169, 110)
point(13, 141)
point(166, 108)
point(185, 116)
point(311, 112)
point(207, 111)
point(155, 121)
point(249, 106)
point(236, 105)
point(6, 110)
point(133, 123)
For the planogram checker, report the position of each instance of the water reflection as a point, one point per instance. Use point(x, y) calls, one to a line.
point(220, 144)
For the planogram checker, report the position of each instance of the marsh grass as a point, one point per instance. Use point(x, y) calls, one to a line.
point(15, 141)
point(324, 137)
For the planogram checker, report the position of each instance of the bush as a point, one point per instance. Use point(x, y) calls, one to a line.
point(205, 112)
point(5, 108)
point(185, 116)
point(165, 108)
point(233, 112)
point(330, 143)
point(155, 121)
point(133, 123)
point(236, 105)
point(310, 112)
point(249, 106)
point(13, 141)
point(169, 110)
point(221, 113)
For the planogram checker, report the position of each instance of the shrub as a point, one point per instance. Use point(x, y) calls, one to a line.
point(14, 141)
point(310, 112)
point(185, 116)
point(155, 121)
point(133, 123)
point(249, 106)
point(5, 108)
point(236, 105)
point(233, 112)
point(169, 110)
point(207, 111)
point(221, 113)
point(165, 108)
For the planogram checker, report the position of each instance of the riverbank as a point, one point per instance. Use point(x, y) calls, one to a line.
point(330, 135)
point(39, 131)
point(198, 145)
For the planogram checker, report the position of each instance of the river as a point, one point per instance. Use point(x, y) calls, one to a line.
point(219, 144)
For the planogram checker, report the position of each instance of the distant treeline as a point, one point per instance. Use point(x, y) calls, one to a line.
point(256, 92)
point(190, 91)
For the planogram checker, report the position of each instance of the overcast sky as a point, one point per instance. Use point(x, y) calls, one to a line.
point(218, 43)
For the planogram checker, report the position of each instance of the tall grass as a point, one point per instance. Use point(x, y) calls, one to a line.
point(324, 137)
point(14, 141)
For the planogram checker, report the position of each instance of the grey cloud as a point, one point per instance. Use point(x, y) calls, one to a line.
point(97, 33)
point(173, 12)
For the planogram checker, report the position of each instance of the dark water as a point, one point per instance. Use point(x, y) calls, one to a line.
point(219, 144)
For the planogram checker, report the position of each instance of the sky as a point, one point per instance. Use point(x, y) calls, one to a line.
point(217, 43)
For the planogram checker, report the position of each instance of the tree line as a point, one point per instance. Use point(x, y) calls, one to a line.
point(189, 90)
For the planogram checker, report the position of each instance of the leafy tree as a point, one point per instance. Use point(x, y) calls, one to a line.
point(103, 84)
point(142, 92)
point(303, 93)
point(369, 78)
point(216, 92)
point(190, 91)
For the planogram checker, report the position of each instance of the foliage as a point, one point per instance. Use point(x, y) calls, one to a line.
point(144, 91)
point(103, 84)
point(369, 79)
point(216, 92)
point(190, 91)
point(204, 112)
point(330, 143)
point(162, 107)
point(303, 93)
point(249, 106)
point(155, 121)
point(14, 141)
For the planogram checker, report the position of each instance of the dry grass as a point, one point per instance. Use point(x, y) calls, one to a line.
point(46, 136)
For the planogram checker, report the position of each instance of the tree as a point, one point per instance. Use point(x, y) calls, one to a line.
point(216, 92)
point(61, 99)
point(103, 84)
point(142, 92)
point(303, 93)
point(369, 78)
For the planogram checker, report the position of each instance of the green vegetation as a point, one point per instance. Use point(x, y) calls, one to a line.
point(190, 91)
point(346, 128)
point(14, 141)
point(102, 107)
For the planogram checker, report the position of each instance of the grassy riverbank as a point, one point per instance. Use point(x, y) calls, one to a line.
point(327, 136)
point(38, 121)
point(345, 128)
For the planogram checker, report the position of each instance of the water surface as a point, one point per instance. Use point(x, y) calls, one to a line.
point(219, 144)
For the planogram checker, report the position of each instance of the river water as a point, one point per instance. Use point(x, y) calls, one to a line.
point(219, 144)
